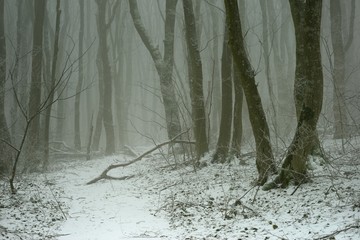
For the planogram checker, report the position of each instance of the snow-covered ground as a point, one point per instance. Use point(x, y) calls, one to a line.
point(169, 200)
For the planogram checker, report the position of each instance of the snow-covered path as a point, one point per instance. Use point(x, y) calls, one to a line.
point(106, 209)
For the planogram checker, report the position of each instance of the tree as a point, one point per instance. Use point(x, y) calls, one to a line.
point(264, 156)
point(266, 45)
point(307, 21)
point(338, 69)
point(196, 80)
point(77, 139)
point(53, 84)
point(164, 65)
point(33, 141)
point(237, 116)
point(223, 143)
point(105, 74)
point(5, 157)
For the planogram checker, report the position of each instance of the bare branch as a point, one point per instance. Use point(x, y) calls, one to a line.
point(104, 175)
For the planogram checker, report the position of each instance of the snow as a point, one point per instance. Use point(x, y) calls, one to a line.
point(169, 200)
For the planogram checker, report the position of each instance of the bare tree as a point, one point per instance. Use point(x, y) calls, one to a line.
point(52, 84)
point(223, 143)
point(77, 138)
point(5, 157)
point(33, 141)
point(264, 156)
point(164, 65)
point(307, 21)
point(105, 74)
point(338, 68)
point(196, 80)
point(237, 118)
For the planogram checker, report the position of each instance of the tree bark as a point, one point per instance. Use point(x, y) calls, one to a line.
point(33, 138)
point(196, 80)
point(105, 76)
point(338, 71)
point(164, 66)
point(223, 143)
point(5, 150)
point(294, 165)
point(264, 156)
point(237, 118)
point(266, 45)
point(77, 137)
point(52, 84)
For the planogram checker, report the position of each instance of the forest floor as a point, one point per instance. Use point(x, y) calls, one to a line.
point(169, 200)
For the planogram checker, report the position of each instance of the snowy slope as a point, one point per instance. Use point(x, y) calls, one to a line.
point(169, 200)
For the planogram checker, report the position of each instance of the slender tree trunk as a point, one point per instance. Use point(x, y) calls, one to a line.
point(77, 137)
point(163, 66)
point(214, 85)
point(338, 71)
point(237, 118)
point(312, 88)
point(52, 84)
point(5, 150)
point(106, 76)
point(196, 80)
point(61, 108)
point(266, 54)
point(223, 143)
point(33, 138)
point(264, 156)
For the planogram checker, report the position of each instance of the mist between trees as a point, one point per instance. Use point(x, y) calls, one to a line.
point(92, 78)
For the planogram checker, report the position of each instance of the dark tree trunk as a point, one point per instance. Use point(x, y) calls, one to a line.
point(298, 13)
point(33, 138)
point(196, 80)
point(105, 76)
point(77, 138)
point(223, 143)
point(52, 84)
point(237, 118)
point(264, 156)
point(5, 150)
point(312, 88)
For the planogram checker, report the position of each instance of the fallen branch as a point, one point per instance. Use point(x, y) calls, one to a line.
point(104, 175)
point(338, 231)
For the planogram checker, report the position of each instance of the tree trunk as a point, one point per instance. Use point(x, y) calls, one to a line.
point(196, 80)
point(105, 77)
point(61, 108)
point(52, 84)
point(264, 156)
point(33, 138)
point(338, 71)
point(214, 85)
point(163, 66)
point(298, 14)
point(77, 138)
point(5, 150)
point(223, 143)
point(266, 54)
point(237, 118)
point(312, 88)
